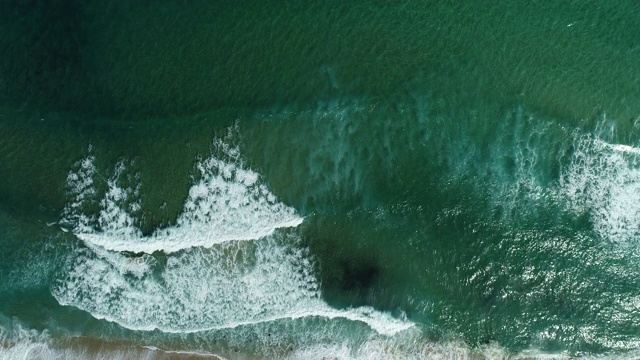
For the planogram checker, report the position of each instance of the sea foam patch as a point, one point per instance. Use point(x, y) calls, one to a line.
point(227, 202)
point(603, 181)
point(81, 187)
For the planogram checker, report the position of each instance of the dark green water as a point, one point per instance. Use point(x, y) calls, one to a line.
point(309, 179)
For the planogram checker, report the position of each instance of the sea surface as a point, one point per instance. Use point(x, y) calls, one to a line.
point(319, 179)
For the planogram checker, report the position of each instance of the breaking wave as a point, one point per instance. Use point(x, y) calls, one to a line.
point(207, 276)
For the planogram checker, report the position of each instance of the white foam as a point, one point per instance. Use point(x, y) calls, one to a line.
point(372, 349)
point(20, 343)
point(225, 286)
point(603, 181)
point(423, 349)
point(623, 148)
point(227, 202)
point(205, 281)
point(115, 219)
point(410, 348)
point(27, 350)
point(81, 187)
point(185, 354)
point(43, 350)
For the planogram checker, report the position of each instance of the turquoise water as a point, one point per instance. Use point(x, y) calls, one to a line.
point(319, 179)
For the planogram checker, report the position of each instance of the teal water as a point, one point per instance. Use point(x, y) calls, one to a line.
point(319, 179)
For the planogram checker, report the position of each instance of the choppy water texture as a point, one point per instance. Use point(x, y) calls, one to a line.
point(319, 179)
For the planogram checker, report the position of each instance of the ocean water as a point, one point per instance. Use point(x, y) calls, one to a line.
point(319, 179)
